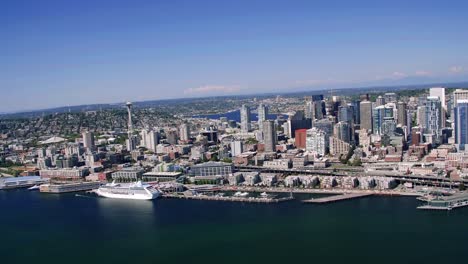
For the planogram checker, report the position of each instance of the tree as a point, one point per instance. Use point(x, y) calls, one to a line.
point(461, 186)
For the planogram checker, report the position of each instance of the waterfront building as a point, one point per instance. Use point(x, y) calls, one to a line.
point(317, 141)
point(245, 119)
point(88, 139)
point(461, 124)
point(65, 173)
point(366, 115)
point(130, 174)
point(269, 136)
point(212, 168)
point(262, 115)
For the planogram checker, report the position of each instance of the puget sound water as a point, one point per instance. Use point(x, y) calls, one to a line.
point(65, 228)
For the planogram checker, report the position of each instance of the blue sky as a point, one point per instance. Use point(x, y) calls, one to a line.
point(58, 53)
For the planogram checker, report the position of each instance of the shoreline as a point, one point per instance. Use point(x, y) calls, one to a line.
point(319, 191)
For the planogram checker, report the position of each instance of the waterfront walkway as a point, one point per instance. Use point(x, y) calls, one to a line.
point(318, 191)
point(337, 198)
point(230, 198)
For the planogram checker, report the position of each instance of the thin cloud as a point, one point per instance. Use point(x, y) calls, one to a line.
point(456, 69)
point(399, 75)
point(213, 89)
point(422, 73)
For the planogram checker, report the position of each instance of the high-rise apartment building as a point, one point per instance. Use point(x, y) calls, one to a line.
point(317, 141)
point(402, 114)
point(262, 115)
point(269, 135)
point(366, 115)
point(433, 118)
point(184, 132)
point(461, 123)
point(245, 118)
point(88, 139)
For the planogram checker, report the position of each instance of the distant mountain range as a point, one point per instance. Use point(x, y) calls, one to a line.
point(299, 92)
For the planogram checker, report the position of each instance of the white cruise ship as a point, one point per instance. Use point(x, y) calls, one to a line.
point(134, 191)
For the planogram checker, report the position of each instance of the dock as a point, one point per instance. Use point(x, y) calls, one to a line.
point(446, 202)
point(230, 198)
point(336, 198)
point(69, 187)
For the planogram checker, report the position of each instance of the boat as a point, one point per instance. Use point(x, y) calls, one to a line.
point(241, 194)
point(132, 191)
point(34, 188)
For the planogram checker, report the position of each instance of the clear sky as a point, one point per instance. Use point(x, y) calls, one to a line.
point(59, 53)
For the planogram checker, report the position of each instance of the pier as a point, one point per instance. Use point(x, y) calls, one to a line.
point(336, 198)
point(69, 187)
point(446, 202)
point(230, 198)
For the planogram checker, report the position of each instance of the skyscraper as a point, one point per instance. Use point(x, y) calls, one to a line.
point(433, 118)
point(184, 132)
point(245, 118)
point(459, 94)
point(88, 139)
point(262, 115)
point(149, 139)
point(380, 114)
point(402, 115)
point(439, 92)
point(366, 115)
point(343, 131)
point(269, 135)
point(461, 123)
point(346, 114)
point(379, 101)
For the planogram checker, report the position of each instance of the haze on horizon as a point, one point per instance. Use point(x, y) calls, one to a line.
point(58, 53)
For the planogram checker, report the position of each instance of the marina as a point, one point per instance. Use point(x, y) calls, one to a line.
point(336, 198)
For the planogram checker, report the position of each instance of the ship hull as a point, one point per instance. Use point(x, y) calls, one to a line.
point(128, 196)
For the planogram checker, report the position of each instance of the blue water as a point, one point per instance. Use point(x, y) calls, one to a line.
point(46, 228)
point(235, 115)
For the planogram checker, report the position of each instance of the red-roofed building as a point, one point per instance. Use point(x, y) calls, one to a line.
point(301, 135)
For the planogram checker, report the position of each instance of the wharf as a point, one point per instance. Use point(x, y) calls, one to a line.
point(230, 198)
point(69, 187)
point(446, 203)
point(337, 198)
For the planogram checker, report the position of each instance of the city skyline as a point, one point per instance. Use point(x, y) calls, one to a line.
point(88, 53)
